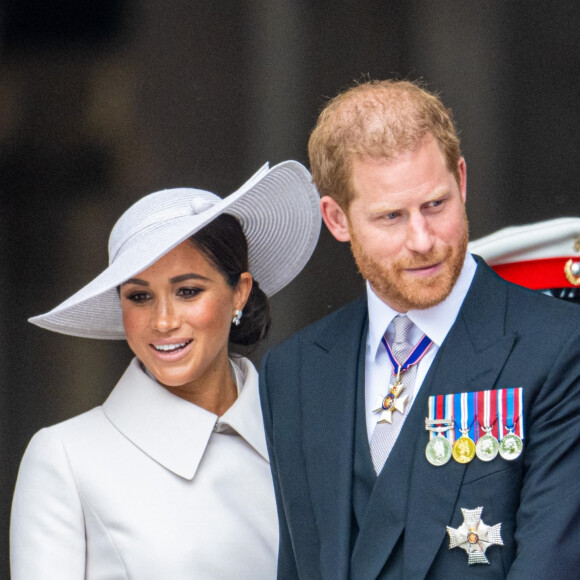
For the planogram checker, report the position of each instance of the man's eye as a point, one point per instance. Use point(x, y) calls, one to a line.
point(435, 203)
point(393, 215)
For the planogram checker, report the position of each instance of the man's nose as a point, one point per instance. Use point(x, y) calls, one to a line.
point(420, 238)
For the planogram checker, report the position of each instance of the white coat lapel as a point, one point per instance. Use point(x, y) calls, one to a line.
point(169, 429)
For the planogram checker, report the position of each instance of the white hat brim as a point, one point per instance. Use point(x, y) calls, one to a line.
point(278, 211)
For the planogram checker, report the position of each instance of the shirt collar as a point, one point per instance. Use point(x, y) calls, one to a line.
point(435, 322)
point(175, 432)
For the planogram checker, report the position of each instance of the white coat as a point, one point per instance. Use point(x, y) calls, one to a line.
point(148, 487)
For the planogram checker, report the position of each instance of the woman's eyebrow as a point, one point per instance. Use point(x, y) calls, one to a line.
point(174, 280)
point(184, 277)
point(137, 281)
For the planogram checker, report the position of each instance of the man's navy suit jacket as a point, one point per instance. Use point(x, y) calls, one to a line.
point(504, 336)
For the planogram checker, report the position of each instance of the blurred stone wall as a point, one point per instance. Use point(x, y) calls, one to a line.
point(103, 102)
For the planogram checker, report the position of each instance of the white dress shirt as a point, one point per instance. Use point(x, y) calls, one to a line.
point(148, 486)
point(435, 322)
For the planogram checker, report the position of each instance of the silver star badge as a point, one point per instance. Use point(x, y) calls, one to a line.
point(474, 536)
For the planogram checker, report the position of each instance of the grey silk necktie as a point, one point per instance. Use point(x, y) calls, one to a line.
point(385, 434)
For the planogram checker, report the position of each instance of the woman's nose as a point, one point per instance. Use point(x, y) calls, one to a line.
point(164, 316)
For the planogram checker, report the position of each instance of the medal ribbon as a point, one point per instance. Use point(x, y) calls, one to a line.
point(441, 407)
point(464, 410)
point(414, 358)
point(509, 412)
point(486, 414)
point(499, 409)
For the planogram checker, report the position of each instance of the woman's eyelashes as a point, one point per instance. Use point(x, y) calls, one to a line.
point(138, 297)
point(185, 292)
point(189, 292)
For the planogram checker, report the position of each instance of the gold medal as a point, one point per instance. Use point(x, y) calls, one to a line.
point(463, 449)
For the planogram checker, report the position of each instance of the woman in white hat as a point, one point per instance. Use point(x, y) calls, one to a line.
point(169, 478)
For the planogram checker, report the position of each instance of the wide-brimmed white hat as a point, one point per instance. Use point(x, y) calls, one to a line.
point(278, 211)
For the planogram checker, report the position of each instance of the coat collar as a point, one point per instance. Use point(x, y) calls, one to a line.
point(174, 432)
point(245, 415)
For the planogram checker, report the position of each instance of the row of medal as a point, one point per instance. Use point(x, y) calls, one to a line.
point(483, 424)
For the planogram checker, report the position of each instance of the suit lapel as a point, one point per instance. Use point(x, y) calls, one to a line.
point(470, 359)
point(411, 494)
point(329, 419)
point(433, 490)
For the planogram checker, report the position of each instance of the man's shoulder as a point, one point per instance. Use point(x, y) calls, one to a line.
point(523, 305)
point(336, 322)
point(301, 352)
point(537, 299)
point(547, 316)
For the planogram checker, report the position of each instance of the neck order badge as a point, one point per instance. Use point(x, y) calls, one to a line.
point(403, 377)
point(392, 401)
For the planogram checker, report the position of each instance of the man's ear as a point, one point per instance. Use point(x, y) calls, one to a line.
point(462, 170)
point(335, 218)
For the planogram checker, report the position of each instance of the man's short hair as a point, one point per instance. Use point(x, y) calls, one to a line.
point(376, 120)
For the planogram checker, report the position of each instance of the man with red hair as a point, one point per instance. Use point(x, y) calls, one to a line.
point(429, 429)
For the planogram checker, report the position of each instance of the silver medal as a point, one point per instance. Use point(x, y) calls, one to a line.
point(510, 447)
point(487, 447)
point(438, 451)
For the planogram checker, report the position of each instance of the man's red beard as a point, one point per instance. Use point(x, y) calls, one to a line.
point(394, 286)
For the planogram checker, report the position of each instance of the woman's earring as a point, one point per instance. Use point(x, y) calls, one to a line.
point(237, 318)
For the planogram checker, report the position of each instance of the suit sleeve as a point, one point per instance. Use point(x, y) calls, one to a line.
point(547, 530)
point(287, 569)
point(47, 532)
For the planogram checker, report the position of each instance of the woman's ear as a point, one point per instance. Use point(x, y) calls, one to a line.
point(335, 218)
point(243, 290)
